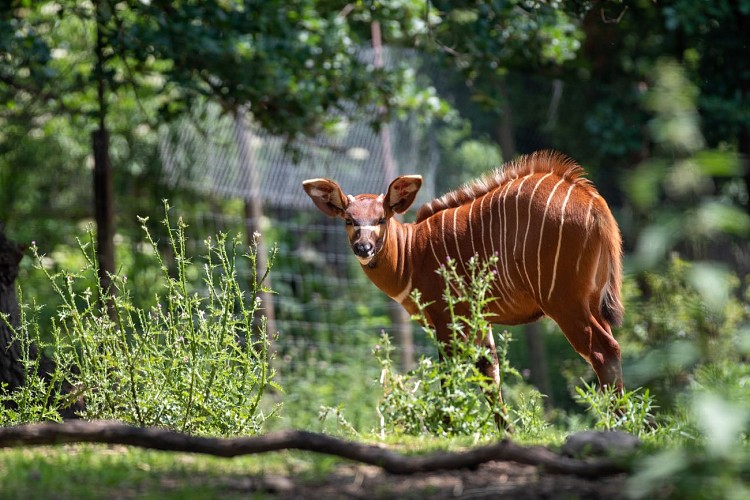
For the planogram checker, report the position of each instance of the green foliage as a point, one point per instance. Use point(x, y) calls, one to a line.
point(629, 411)
point(527, 413)
point(442, 398)
point(464, 157)
point(194, 362)
point(505, 34)
point(712, 457)
point(688, 316)
point(327, 390)
point(448, 397)
point(696, 191)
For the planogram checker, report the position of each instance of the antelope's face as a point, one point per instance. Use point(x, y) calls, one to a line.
point(366, 225)
point(366, 215)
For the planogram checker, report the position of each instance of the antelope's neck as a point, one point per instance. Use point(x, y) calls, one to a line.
point(393, 269)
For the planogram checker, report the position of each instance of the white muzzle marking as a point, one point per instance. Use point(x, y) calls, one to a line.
point(364, 260)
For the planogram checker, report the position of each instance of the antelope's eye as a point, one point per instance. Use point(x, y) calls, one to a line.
point(349, 222)
point(382, 221)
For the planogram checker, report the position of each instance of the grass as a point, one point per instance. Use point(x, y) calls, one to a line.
point(98, 471)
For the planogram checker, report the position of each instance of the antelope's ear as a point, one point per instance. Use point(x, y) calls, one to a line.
point(327, 196)
point(401, 194)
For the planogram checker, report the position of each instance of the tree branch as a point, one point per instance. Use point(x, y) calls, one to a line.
point(111, 432)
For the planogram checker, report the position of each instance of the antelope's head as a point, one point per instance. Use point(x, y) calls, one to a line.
point(366, 215)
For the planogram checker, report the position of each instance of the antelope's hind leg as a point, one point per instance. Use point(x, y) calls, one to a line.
point(592, 338)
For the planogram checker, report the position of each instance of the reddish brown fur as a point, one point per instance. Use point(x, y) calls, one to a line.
point(557, 243)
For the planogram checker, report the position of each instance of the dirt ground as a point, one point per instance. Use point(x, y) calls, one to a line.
point(507, 480)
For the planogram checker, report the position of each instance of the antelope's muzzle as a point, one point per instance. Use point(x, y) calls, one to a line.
point(363, 249)
point(365, 244)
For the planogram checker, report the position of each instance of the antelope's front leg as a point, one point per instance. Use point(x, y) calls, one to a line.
point(490, 368)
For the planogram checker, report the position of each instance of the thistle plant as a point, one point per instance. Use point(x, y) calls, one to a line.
point(629, 411)
point(447, 397)
point(196, 360)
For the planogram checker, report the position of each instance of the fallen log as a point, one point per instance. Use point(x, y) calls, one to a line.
point(112, 432)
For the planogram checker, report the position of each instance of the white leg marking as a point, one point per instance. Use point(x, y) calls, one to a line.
point(528, 225)
point(541, 235)
point(587, 226)
point(559, 241)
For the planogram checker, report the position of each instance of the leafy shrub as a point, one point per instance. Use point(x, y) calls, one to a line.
point(447, 398)
point(194, 362)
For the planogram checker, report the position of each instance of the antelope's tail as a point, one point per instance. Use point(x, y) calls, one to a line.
point(611, 302)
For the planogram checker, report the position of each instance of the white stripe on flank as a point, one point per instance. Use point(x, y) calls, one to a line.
point(403, 293)
point(486, 255)
point(481, 227)
point(429, 238)
point(528, 225)
point(499, 283)
point(502, 280)
point(471, 228)
point(489, 225)
point(504, 246)
point(588, 231)
point(455, 239)
point(442, 228)
point(515, 238)
point(559, 241)
point(541, 235)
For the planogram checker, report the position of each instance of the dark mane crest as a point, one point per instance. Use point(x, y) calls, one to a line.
point(540, 161)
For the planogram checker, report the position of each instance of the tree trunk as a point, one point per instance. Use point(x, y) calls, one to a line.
point(103, 181)
point(743, 139)
point(11, 369)
point(103, 209)
point(505, 136)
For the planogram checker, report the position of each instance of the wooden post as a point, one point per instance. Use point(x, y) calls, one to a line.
point(253, 212)
point(11, 369)
point(399, 317)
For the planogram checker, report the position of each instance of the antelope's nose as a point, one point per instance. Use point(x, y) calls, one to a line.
point(362, 248)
